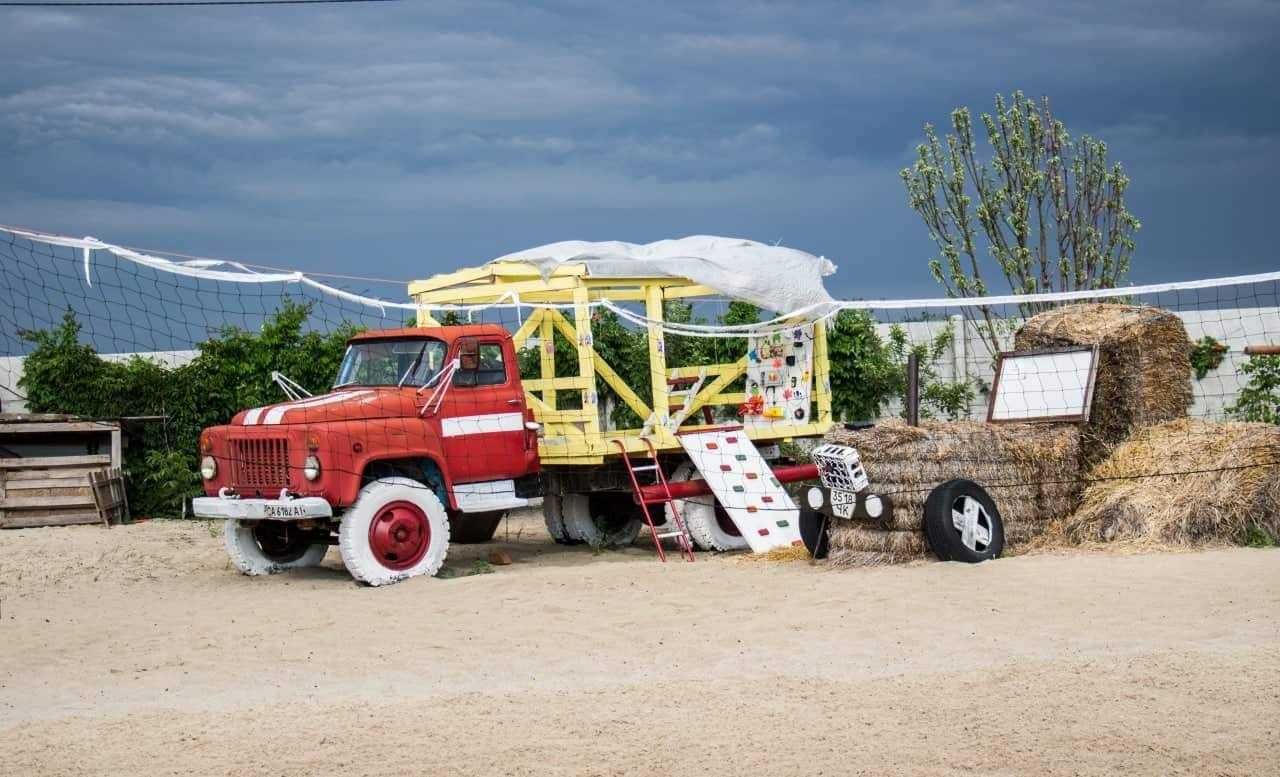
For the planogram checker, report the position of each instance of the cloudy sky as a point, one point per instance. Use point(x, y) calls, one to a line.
point(411, 138)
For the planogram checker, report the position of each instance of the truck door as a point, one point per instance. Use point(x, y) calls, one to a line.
point(482, 416)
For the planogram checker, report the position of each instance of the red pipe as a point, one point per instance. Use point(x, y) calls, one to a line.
point(787, 473)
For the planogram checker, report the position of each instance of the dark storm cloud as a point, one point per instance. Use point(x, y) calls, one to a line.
point(413, 138)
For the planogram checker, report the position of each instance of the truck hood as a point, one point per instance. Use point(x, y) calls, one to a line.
point(350, 404)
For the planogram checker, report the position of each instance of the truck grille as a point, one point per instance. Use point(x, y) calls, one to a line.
point(261, 464)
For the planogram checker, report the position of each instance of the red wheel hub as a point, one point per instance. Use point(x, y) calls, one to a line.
point(399, 535)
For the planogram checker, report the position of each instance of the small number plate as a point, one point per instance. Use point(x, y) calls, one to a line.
point(284, 511)
point(769, 451)
point(842, 503)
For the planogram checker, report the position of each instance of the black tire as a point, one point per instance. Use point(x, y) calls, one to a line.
point(473, 528)
point(946, 539)
point(813, 531)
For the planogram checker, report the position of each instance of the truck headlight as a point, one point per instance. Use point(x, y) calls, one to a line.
point(311, 468)
point(208, 467)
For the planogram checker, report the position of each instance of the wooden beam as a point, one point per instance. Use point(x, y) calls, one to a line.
point(547, 354)
point(526, 329)
point(822, 372)
point(657, 356)
point(571, 383)
point(620, 387)
point(28, 462)
point(716, 386)
point(586, 359)
point(57, 426)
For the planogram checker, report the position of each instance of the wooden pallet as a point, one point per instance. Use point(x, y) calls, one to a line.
point(48, 490)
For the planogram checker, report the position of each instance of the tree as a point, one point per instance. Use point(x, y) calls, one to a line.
point(1052, 208)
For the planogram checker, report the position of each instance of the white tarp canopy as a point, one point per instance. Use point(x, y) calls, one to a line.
point(775, 278)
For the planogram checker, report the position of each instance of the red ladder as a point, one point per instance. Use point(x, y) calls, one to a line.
point(681, 535)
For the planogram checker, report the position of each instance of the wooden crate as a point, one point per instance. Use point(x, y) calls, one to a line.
point(52, 490)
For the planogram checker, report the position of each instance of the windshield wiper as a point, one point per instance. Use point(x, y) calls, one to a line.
point(413, 367)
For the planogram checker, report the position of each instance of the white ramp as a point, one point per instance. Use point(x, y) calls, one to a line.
point(745, 486)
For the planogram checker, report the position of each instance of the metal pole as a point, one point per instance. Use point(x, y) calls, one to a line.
point(913, 389)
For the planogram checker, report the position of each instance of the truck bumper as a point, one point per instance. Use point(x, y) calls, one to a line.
point(261, 509)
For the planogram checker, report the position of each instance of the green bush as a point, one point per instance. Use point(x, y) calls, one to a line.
point(1259, 400)
point(231, 372)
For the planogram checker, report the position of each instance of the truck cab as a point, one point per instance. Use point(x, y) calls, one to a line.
point(425, 434)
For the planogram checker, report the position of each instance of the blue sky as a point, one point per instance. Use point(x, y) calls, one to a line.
point(407, 139)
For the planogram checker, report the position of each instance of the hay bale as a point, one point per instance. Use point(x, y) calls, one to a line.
point(1231, 485)
point(850, 537)
point(1144, 366)
point(1031, 470)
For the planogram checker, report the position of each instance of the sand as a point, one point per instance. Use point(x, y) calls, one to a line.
point(136, 650)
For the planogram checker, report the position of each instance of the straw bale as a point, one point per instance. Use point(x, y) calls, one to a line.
point(1183, 484)
point(853, 543)
point(1031, 470)
point(1143, 372)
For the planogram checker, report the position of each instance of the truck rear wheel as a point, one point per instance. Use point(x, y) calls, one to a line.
point(709, 525)
point(553, 517)
point(602, 519)
point(397, 529)
point(268, 547)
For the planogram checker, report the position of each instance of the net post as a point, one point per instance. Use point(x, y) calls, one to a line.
point(913, 389)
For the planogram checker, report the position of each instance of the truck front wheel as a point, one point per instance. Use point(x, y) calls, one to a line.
point(397, 529)
point(268, 547)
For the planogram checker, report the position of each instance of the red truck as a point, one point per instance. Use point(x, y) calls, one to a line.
point(427, 438)
point(424, 437)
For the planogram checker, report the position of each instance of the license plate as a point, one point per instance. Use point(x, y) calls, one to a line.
point(770, 451)
point(842, 503)
point(284, 511)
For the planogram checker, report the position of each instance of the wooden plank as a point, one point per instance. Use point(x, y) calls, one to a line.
point(526, 329)
point(45, 502)
point(27, 462)
point(716, 386)
point(711, 369)
point(574, 382)
point(62, 473)
point(547, 355)
point(620, 387)
point(27, 519)
point(26, 487)
point(822, 372)
point(586, 360)
point(58, 426)
point(657, 356)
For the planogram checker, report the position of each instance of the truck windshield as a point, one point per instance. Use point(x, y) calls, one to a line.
point(409, 362)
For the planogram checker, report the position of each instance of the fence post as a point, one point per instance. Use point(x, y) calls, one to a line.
point(913, 389)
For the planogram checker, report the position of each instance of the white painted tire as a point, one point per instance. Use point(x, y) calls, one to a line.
point(699, 515)
point(248, 556)
point(580, 524)
point(553, 518)
point(411, 538)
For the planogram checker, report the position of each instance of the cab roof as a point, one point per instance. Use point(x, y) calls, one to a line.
point(438, 332)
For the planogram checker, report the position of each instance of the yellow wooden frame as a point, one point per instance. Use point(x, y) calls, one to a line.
point(574, 435)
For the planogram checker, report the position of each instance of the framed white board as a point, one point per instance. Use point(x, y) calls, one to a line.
point(1047, 384)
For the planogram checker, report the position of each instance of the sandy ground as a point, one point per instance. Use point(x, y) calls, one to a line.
point(136, 650)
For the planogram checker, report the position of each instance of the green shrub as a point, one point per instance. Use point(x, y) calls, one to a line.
point(1259, 400)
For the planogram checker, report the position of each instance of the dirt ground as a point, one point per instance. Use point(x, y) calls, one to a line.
point(137, 650)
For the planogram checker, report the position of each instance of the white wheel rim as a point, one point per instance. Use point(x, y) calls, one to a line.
point(970, 519)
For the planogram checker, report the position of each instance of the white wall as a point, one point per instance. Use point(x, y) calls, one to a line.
point(11, 396)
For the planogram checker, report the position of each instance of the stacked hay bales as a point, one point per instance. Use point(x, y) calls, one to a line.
point(1031, 470)
point(1230, 487)
point(1144, 366)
